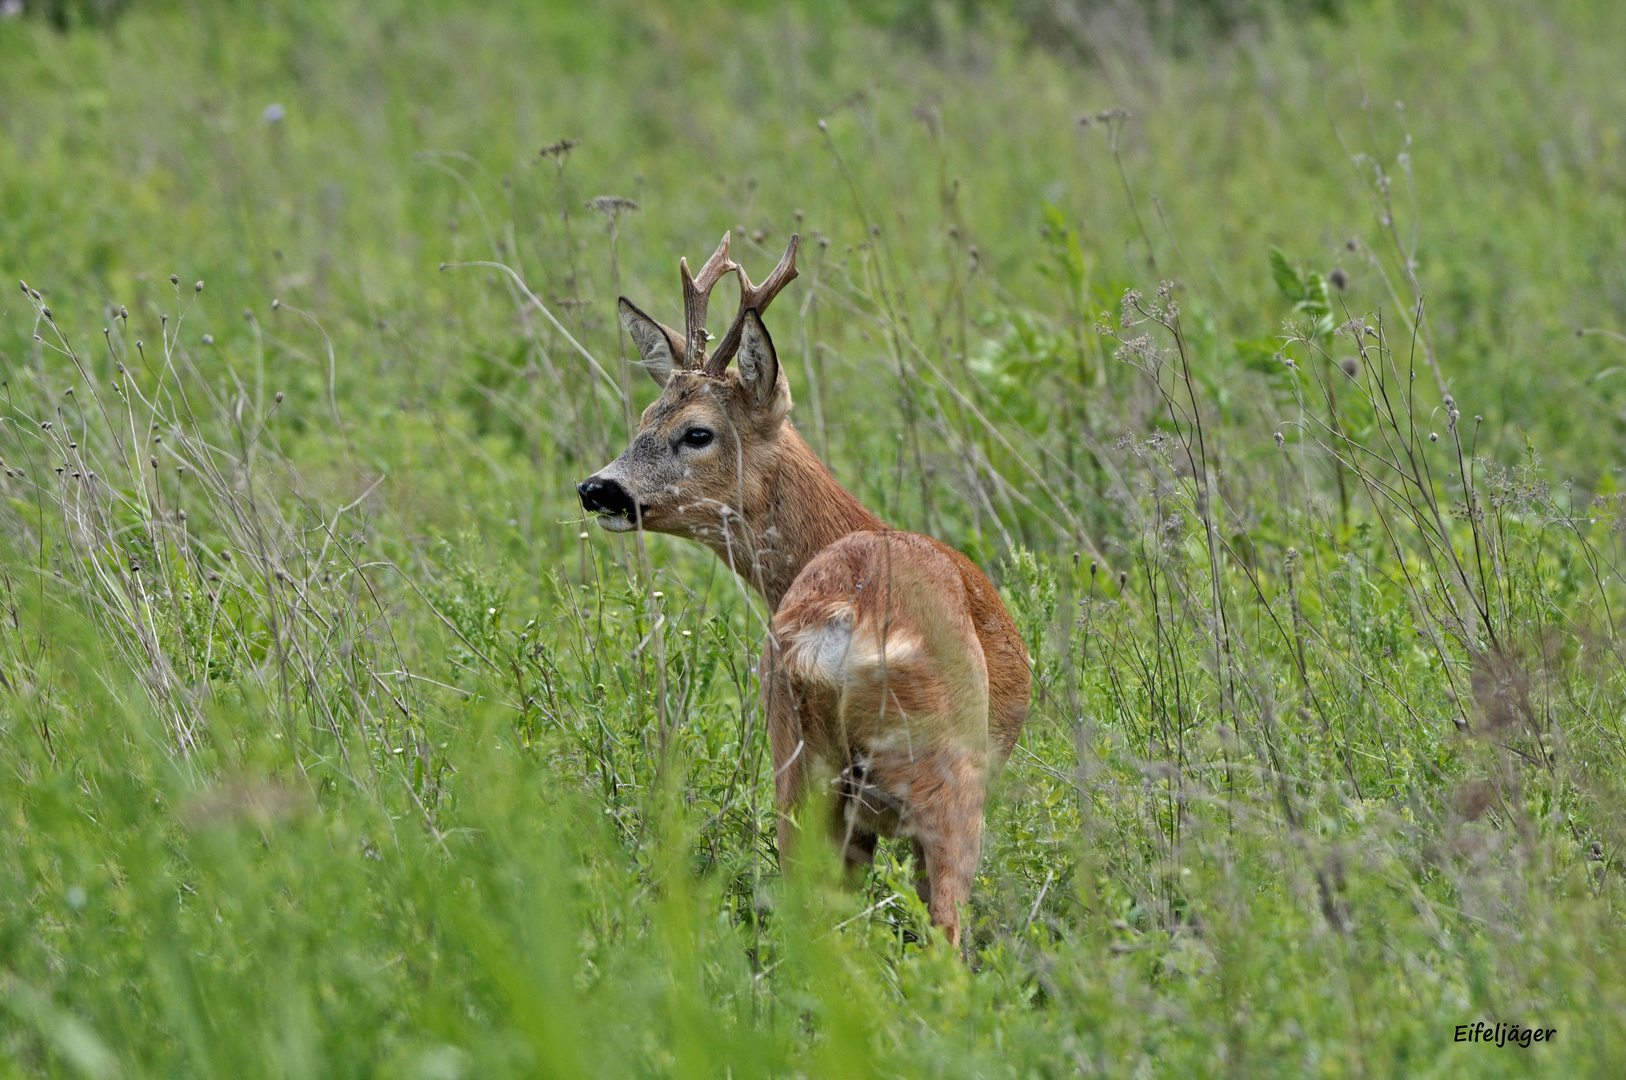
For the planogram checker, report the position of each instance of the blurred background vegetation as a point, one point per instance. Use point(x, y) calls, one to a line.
point(329, 732)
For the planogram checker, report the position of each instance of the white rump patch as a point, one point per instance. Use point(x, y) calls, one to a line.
point(834, 652)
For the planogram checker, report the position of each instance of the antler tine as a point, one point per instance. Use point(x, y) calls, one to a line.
point(696, 295)
point(753, 296)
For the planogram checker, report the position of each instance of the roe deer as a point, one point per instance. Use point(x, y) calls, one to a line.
point(893, 679)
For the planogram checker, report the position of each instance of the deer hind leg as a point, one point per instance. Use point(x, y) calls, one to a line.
point(949, 838)
point(941, 793)
point(787, 746)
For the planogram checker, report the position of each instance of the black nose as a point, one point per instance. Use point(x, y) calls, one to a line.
point(601, 496)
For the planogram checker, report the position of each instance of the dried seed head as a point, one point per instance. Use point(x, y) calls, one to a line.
point(198, 287)
point(1281, 440)
point(823, 126)
point(124, 313)
point(800, 214)
point(46, 312)
point(1351, 366)
point(208, 339)
point(225, 554)
point(611, 205)
point(1433, 436)
point(275, 304)
point(174, 279)
point(1123, 578)
point(1338, 279)
point(280, 396)
point(181, 514)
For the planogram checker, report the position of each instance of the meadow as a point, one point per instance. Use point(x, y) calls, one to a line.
point(1273, 365)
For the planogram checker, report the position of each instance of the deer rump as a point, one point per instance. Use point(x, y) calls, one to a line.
point(890, 692)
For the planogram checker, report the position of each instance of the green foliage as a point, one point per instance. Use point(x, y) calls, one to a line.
point(333, 741)
point(1306, 291)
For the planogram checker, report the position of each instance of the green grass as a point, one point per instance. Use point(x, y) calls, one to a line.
point(329, 732)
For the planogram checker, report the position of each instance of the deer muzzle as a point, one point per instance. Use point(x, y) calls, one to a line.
point(604, 496)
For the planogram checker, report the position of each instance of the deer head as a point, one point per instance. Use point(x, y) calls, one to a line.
point(699, 463)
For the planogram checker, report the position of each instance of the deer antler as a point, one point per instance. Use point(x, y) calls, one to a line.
point(696, 294)
point(753, 296)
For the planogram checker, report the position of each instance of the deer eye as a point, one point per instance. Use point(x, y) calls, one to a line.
point(698, 436)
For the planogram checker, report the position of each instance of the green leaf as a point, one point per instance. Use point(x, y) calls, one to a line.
point(1287, 277)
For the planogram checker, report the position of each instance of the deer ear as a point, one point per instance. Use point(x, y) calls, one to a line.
point(757, 362)
point(659, 347)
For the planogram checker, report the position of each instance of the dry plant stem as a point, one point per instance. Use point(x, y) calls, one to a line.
point(1415, 486)
point(812, 356)
point(1378, 189)
point(598, 369)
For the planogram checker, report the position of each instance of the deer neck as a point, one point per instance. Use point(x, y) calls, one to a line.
point(796, 511)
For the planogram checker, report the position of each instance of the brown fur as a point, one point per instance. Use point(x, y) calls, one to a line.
point(894, 681)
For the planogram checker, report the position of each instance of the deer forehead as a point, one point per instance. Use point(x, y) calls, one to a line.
point(692, 398)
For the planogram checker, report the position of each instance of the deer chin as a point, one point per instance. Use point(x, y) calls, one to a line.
point(625, 522)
